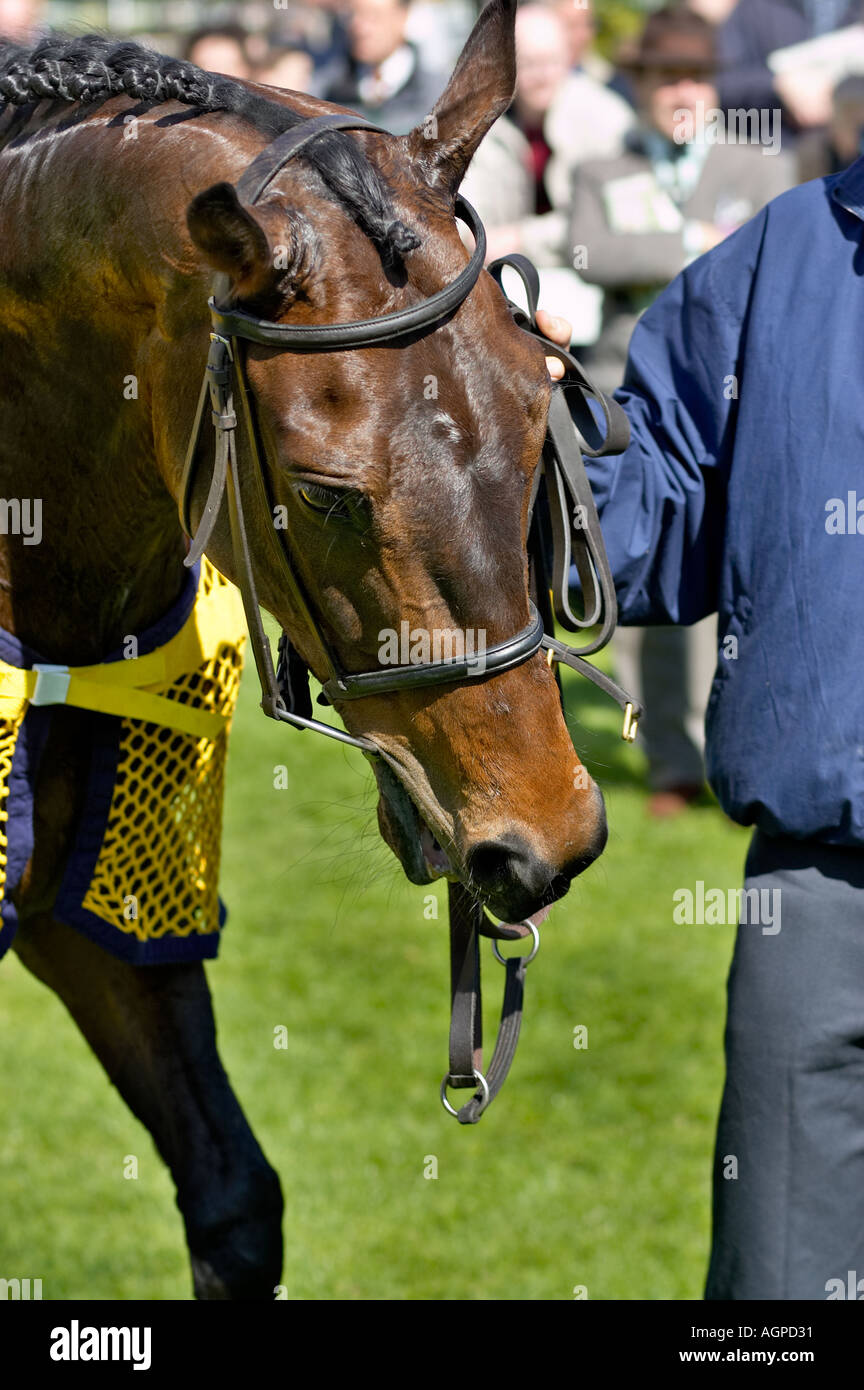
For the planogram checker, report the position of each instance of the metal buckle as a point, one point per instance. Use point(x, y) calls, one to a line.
point(52, 685)
point(226, 343)
point(481, 1082)
point(535, 932)
point(631, 724)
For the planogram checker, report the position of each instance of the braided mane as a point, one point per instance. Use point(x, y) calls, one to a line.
point(93, 68)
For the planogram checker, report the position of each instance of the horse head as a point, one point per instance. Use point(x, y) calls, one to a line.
point(401, 475)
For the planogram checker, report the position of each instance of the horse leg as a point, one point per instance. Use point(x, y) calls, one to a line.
point(153, 1030)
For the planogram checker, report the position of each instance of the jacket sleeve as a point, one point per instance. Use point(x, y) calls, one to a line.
point(618, 258)
point(662, 503)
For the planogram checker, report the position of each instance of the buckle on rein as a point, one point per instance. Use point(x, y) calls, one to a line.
point(632, 712)
point(631, 723)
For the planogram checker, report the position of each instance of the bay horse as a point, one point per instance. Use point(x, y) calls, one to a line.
point(118, 170)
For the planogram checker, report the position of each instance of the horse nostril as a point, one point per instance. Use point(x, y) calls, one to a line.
point(487, 864)
point(500, 866)
point(515, 881)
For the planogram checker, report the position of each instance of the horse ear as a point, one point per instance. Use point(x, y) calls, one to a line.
point(230, 238)
point(479, 91)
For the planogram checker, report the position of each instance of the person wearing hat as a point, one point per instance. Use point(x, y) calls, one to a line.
point(675, 191)
point(635, 221)
point(519, 177)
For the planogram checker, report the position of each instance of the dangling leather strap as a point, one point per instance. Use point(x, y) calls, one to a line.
point(468, 922)
point(573, 430)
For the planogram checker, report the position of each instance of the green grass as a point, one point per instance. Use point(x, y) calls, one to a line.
point(592, 1168)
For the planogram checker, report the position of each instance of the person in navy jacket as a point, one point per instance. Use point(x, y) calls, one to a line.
point(742, 493)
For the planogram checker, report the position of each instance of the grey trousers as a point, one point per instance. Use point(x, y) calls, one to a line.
point(789, 1161)
point(670, 669)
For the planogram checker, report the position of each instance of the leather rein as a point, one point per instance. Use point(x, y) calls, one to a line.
point(575, 532)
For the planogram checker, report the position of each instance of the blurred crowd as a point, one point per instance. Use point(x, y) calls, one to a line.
point(610, 172)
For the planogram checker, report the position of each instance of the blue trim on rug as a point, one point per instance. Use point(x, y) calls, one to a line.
point(29, 747)
point(161, 950)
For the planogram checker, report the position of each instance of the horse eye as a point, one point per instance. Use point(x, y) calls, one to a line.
point(328, 501)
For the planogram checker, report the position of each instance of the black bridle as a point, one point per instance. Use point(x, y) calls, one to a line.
point(575, 536)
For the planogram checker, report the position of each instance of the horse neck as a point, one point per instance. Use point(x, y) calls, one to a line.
point(91, 431)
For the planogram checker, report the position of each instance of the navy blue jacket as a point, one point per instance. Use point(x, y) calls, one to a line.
point(745, 394)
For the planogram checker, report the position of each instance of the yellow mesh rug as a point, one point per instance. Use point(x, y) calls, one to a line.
point(142, 879)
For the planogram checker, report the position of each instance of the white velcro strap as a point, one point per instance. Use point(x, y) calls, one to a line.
point(52, 685)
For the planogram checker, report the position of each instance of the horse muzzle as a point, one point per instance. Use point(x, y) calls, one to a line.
point(513, 876)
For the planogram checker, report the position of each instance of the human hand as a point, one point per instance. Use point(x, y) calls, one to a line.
point(560, 332)
point(806, 96)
